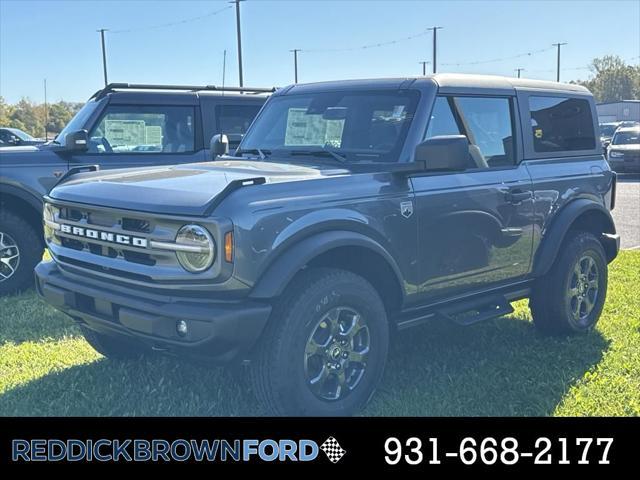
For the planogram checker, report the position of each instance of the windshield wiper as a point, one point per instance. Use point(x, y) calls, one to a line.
point(263, 154)
point(324, 152)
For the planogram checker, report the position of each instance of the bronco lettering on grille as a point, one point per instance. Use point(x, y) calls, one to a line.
point(104, 236)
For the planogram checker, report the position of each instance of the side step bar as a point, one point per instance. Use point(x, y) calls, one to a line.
point(467, 313)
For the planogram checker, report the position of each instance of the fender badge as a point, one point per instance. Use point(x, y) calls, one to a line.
point(406, 208)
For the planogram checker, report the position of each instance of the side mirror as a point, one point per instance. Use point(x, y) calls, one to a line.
point(77, 141)
point(219, 145)
point(445, 152)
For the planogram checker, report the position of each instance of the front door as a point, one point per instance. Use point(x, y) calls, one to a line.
point(474, 226)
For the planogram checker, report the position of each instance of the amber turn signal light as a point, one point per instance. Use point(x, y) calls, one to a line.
point(228, 247)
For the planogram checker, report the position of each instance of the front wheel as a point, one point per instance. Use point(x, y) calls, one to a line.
point(570, 298)
point(324, 350)
point(20, 250)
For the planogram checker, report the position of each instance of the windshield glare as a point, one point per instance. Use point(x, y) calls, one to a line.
point(79, 121)
point(626, 138)
point(361, 126)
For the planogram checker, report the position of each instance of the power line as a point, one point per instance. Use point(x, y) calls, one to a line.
point(501, 59)
point(172, 24)
point(365, 47)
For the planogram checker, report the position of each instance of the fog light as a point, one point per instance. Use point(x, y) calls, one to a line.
point(181, 328)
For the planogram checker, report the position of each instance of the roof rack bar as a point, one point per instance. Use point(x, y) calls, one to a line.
point(192, 88)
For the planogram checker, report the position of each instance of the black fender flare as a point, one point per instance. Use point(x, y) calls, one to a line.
point(32, 200)
point(286, 265)
point(561, 224)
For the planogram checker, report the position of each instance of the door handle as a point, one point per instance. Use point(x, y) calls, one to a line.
point(516, 196)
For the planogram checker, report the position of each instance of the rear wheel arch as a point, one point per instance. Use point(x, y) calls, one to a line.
point(581, 215)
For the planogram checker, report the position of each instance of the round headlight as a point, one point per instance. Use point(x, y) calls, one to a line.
point(199, 241)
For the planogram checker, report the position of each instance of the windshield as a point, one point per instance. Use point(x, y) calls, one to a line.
point(20, 134)
point(626, 138)
point(358, 126)
point(78, 122)
point(607, 130)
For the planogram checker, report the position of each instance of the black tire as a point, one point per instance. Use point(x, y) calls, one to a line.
point(281, 367)
point(17, 236)
point(117, 348)
point(562, 302)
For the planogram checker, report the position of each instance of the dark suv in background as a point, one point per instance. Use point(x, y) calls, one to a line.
point(14, 137)
point(350, 210)
point(122, 125)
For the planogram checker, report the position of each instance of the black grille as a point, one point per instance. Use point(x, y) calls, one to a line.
point(136, 225)
point(113, 221)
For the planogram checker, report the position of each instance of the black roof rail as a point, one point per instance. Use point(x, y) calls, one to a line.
point(190, 88)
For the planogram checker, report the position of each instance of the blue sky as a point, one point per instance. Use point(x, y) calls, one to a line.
point(58, 40)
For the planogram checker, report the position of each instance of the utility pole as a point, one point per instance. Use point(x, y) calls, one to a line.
point(46, 112)
point(435, 44)
point(104, 55)
point(519, 70)
point(424, 67)
point(558, 64)
point(295, 63)
point(224, 68)
point(239, 35)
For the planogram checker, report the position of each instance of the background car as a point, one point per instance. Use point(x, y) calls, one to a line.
point(623, 153)
point(121, 126)
point(14, 137)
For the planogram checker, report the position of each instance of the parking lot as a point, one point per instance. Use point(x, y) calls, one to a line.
point(627, 211)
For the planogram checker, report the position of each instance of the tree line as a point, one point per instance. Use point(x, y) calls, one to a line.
point(612, 79)
point(32, 117)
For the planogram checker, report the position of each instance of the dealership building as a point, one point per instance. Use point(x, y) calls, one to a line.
point(619, 111)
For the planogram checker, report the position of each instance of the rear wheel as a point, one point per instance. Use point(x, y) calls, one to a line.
point(570, 298)
point(20, 250)
point(325, 348)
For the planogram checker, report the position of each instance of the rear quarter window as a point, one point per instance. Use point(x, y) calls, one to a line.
point(561, 124)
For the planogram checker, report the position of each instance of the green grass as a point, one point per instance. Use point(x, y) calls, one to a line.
point(500, 367)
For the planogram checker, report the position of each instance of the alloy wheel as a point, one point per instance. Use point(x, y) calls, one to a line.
point(336, 353)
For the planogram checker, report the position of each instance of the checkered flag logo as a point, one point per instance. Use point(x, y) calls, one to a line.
point(333, 450)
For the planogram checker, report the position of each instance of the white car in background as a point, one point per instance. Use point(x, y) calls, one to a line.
point(623, 153)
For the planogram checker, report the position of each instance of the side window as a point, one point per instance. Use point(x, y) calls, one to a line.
point(560, 124)
point(489, 126)
point(144, 129)
point(487, 122)
point(442, 120)
point(235, 119)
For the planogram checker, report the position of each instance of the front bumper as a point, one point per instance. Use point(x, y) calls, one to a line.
point(218, 331)
point(626, 164)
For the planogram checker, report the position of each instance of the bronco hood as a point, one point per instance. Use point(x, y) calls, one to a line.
point(179, 189)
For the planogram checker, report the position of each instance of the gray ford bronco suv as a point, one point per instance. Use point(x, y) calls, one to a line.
point(350, 210)
point(122, 125)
